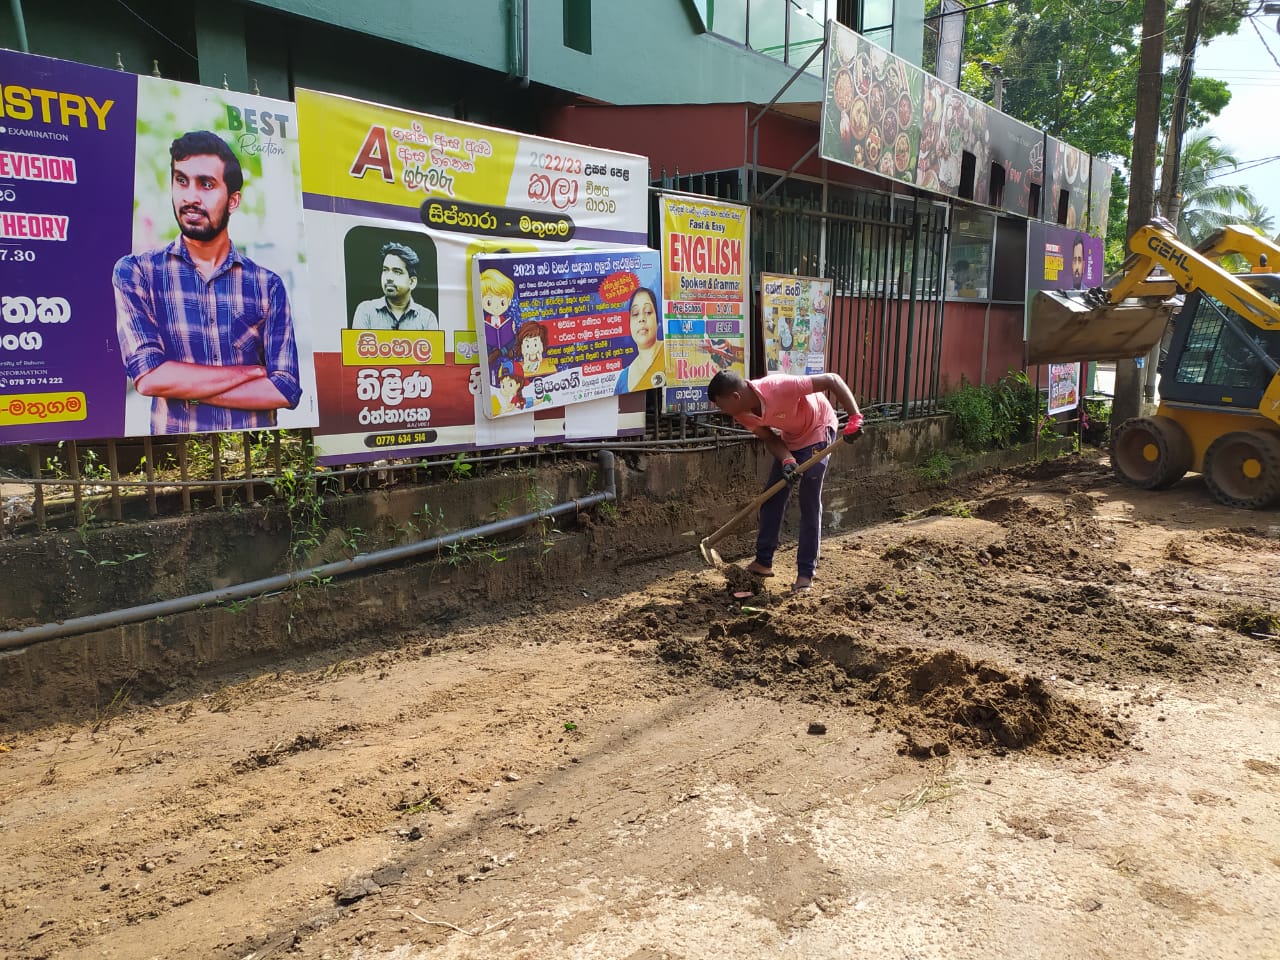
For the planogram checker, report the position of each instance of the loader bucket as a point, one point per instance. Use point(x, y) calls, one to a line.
point(1064, 326)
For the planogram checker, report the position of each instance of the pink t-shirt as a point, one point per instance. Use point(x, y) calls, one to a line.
point(789, 406)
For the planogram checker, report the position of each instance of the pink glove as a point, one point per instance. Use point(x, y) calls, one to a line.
point(853, 426)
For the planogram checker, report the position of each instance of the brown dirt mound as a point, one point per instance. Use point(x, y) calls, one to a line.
point(926, 551)
point(1241, 538)
point(941, 698)
point(938, 700)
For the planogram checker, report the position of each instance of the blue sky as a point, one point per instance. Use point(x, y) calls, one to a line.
point(1248, 125)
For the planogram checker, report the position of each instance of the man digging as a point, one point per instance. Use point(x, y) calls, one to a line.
point(794, 420)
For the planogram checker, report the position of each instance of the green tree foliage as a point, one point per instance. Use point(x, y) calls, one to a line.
point(1070, 68)
point(1208, 204)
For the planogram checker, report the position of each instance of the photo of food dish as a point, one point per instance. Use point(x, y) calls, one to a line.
point(875, 103)
point(904, 110)
point(844, 90)
point(1072, 164)
point(901, 152)
point(862, 74)
point(859, 119)
point(874, 146)
point(889, 127)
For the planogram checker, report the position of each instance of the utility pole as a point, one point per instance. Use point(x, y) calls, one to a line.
point(1170, 199)
point(1170, 169)
point(1142, 178)
point(995, 73)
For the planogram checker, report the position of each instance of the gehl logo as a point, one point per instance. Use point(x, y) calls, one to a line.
point(1167, 252)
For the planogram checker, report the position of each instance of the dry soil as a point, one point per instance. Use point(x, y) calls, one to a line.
point(1038, 719)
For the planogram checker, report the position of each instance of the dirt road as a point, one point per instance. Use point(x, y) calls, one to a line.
point(1039, 720)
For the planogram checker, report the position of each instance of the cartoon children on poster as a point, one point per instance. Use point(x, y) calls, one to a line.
point(497, 290)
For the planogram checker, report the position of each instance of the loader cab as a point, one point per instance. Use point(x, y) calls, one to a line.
point(1218, 358)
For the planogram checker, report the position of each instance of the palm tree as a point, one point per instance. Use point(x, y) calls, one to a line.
point(1208, 204)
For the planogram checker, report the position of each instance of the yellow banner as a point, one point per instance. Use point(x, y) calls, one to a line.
point(364, 151)
point(372, 348)
point(60, 407)
point(704, 296)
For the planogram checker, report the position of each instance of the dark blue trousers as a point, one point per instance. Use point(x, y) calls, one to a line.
point(775, 508)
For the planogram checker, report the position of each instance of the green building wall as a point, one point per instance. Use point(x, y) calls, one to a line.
point(458, 58)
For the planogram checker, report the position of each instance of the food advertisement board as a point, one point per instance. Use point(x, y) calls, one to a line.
point(794, 312)
point(872, 113)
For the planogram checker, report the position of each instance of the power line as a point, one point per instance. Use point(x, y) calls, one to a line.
point(1253, 23)
point(151, 26)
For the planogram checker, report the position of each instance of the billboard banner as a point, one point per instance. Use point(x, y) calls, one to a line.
point(1099, 197)
point(793, 313)
point(576, 327)
point(950, 49)
point(398, 207)
point(1064, 387)
point(1068, 177)
point(151, 242)
point(705, 276)
point(1062, 259)
point(873, 108)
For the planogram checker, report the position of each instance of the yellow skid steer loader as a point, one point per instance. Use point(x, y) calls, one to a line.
point(1219, 411)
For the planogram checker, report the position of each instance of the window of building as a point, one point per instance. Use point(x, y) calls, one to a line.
point(877, 22)
point(995, 186)
point(968, 174)
point(767, 27)
point(1033, 200)
point(1009, 278)
point(791, 30)
point(577, 25)
point(969, 259)
point(1064, 206)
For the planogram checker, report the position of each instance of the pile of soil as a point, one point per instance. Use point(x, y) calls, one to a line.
point(936, 699)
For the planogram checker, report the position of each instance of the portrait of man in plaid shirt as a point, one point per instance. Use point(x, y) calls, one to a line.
point(204, 331)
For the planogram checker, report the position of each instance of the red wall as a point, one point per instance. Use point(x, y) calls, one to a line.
point(694, 138)
point(962, 339)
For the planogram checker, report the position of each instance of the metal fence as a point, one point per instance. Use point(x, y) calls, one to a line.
point(885, 254)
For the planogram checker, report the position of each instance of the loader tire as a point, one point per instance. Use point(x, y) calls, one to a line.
point(1150, 452)
point(1242, 469)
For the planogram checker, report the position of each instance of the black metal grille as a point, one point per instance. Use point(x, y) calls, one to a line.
point(885, 255)
point(1218, 354)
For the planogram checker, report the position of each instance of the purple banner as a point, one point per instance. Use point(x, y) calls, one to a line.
point(1062, 259)
point(67, 135)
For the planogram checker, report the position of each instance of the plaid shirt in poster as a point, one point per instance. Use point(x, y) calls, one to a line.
point(165, 310)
